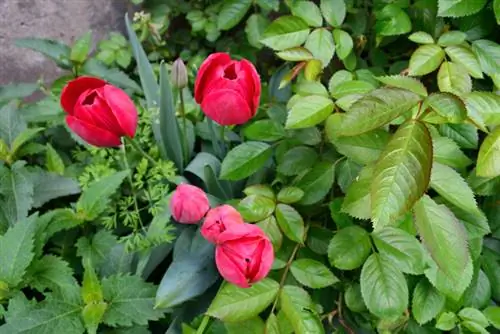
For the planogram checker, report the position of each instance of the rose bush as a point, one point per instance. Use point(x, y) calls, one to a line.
point(333, 171)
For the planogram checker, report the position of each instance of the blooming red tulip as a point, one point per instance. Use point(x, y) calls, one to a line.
point(218, 220)
point(244, 254)
point(228, 90)
point(98, 112)
point(188, 204)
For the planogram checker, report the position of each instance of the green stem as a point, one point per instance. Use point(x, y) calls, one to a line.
point(203, 325)
point(136, 146)
point(184, 128)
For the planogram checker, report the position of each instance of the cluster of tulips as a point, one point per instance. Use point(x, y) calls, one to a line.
point(229, 94)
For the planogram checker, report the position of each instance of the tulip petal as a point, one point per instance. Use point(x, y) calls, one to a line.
point(239, 231)
point(123, 109)
point(97, 113)
point(73, 89)
point(226, 107)
point(188, 204)
point(266, 259)
point(92, 134)
point(228, 269)
point(249, 68)
point(211, 68)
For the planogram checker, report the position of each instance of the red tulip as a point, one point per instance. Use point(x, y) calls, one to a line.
point(188, 204)
point(244, 254)
point(218, 220)
point(98, 112)
point(228, 90)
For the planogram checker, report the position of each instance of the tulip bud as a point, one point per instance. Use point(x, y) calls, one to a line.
point(179, 74)
point(218, 220)
point(189, 204)
point(244, 254)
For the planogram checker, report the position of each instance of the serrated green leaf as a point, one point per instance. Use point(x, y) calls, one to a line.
point(317, 183)
point(290, 222)
point(465, 135)
point(53, 161)
point(383, 287)
point(297, 53)
point(454, 37)
point(353, 298)
point(447, 152)
point(376, 109)
point(357, 201)
point(347, 172)
point(15, 91)
point(285, 32)
point(289, 195)
point(11, 123)
point(351, 87)
point(23, 138)
point(364, 148)
point(233, 304)
point(404, 82)
point(231, 13)
point(271, 228)
point(421, 37)
point(256, 207)
point(478, 294)
point(402, 174)
point(484, 104)
point(55, 50)
point(297, 160)
point(16, 186)
point(343, 43)
point(254, 29)
point(426, 59)
point(474, 315)
point(443, 236)
point(493, 315)
point(81, 48)
point(446, 321)
point(334, 11)
point(320, 43)
point(47, 186)
point(130, 301)
point(244, 160)
point(318, 239)
point(453, 78)
point(458, 8)
point(94, 200)
point(448, 106)
point(349, 248)
point(488, 160)
point(312, 273)
point(463, 56)
point(253, 325)
point(272, 325)
point(488, 54)
point(391, 21)
point(51, 272)
point(16, 251)
point(483, 186)
point(337, 78)
point(401, 248)
point(340, 219)
point(97, 248)
point(309, 111)
point(265, 130)
point(427, 302)
point(298, 307)
point(307, 11)
point(306, 87)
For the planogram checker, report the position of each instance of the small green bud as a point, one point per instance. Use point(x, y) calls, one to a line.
point(179, 74)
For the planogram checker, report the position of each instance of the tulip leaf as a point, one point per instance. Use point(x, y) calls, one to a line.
point(290, 222)
point(427, 302)
point(402, 174)
point(309, 111)
point(349, 248)
point(312, 273)
point(317, 183)
point(453, 78)
point(488, 161)
point(234, 304)
point(299, 308)
point(244, 160)
point(426, 59)
point(376, 109)
point(285, 32)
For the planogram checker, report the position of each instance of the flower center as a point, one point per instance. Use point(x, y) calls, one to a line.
point(230, 72)
point(89, 99)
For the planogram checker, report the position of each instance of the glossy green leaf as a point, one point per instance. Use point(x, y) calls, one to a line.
point(447, 152)
point(349, 248)
point(427, 302)
point(364, 148)
point(446, 321)
point(334, 11)
point(478, 294)
point(312, 273)
point(297, 53)
point(317, 183)
point(377, 109)
point(488, 161)
point(244, 160)
point(421, 37)
point(402, 174)
point(271, 228)
point(453, 78)
point(81, 48)
point(343, 43)
point(483, 186)
point(383, 287)
point(484, 104)
point(298, 307)
point(448, 106)
point(357, 202)
point(309, 111)
point(426, 59)
point(454, 37)
point(233, 304)
point(465, 135)
point(289, 195)
point(353, 298)
point(346, 88)
point(254, 29)
point(493, 315)
point(254, 208)
point(285, 32)
point(320, 43)
point(488, 54)
point(313, 69)
point(260, 190)
point(265, 130)
point(391, 21)
point(474, 315)
point(290, 222)
point(458, 8)
point(253, 325)
point(297, 160)
point(307, 11)
point(347, 172)
point(404, 82)
point(401, 248)
point(337, 78)
point(231, 13)
point(463, 56)
point(318, 239)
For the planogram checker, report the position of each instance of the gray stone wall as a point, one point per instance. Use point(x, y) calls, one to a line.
point(65, 20)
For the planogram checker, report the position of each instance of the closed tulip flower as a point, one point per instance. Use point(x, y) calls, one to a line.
point(98, 112)
point(227, 90)
point(218, 220)
point(188, 204)
point(244, 254)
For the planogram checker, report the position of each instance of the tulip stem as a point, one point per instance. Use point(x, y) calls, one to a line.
point(184, 133)
point(136, 146)
point(203, 325)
